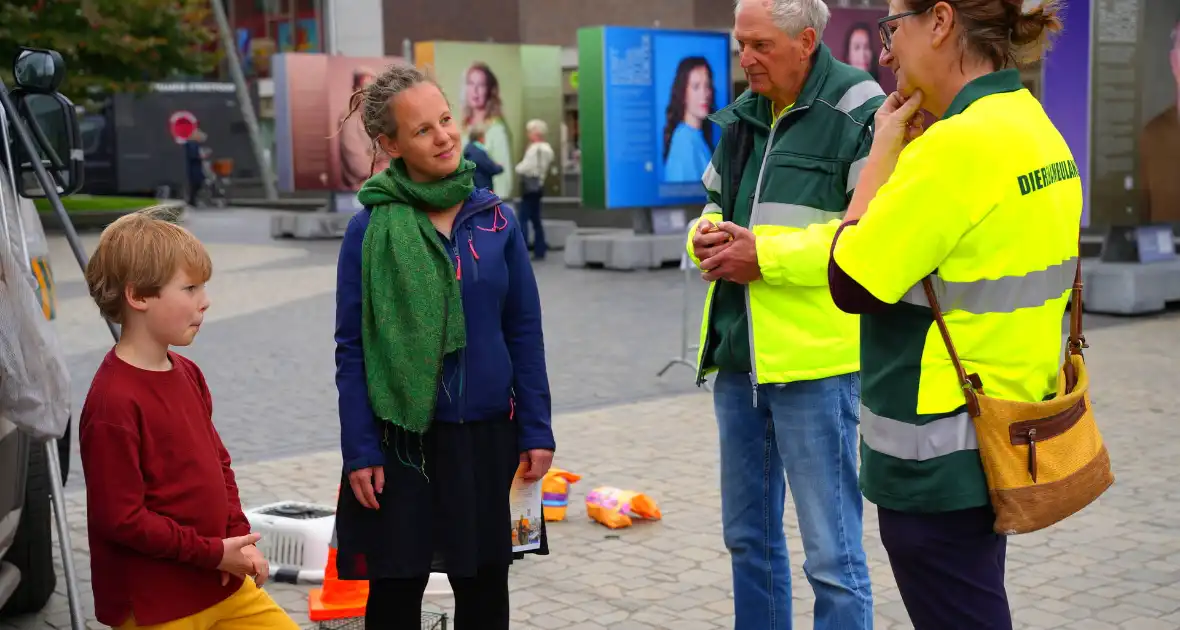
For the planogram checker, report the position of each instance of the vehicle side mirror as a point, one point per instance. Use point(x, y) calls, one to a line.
point(39, 71)
point(52, 121)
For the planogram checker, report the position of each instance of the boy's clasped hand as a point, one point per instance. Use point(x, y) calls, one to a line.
point(241, 558)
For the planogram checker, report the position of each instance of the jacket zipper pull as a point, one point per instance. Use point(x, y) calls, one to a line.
point(1032, 454)
point(458, 267)
point(754, 386)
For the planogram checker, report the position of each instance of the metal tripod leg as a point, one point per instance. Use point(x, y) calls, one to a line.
point(687, 348)
point(676, 361)
point(77, 621)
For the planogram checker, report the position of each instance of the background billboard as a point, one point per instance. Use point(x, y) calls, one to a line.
point(313, 149)
point(1066, 89)
point(499, 88)
point(1159, 140)
point(853, 37)
point(1110, 86)
point(352, 157)
point(643, 95)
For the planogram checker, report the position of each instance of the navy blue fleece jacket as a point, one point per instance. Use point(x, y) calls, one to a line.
point(500, 374)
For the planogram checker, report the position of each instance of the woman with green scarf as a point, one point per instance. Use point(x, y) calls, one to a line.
point(440, 367)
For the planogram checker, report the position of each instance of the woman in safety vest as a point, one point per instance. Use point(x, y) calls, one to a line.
point(987, 202)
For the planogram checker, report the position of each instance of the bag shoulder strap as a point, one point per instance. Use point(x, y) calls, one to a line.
point(1077, 340)
point(971, 383)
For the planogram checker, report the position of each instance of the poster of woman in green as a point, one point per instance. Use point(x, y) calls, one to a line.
point(483, 109)
point(496, 88)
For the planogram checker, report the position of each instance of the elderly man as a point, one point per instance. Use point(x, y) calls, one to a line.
point(787, 393)
point(533, 169)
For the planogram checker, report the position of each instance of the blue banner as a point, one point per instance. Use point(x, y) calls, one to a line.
point(658, 88)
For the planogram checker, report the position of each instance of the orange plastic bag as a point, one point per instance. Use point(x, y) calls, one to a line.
point(615, 508)
point(555, 493)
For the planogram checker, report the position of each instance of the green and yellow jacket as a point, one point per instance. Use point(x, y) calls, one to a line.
point(789, 179)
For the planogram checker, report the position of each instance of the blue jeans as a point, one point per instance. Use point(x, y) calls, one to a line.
point(530, 216)
point(807, 430)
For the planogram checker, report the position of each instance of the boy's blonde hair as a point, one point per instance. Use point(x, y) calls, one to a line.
point(143, 250)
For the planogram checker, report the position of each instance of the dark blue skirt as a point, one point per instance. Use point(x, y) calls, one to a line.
point(445, 508)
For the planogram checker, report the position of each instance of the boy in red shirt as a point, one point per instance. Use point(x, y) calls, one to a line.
point(169, 545)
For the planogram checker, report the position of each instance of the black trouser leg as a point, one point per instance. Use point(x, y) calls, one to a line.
point(395, 604)
point(481, 602)
point(949, 567)
point(525, 215)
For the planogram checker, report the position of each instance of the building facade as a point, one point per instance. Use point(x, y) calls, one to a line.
point(552, 22)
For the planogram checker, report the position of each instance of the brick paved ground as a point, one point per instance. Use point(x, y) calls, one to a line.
point(268, 352)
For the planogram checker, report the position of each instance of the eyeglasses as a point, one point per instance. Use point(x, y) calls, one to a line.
point(886, 29)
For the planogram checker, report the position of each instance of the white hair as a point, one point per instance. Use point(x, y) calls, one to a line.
point(792, 16)
point(537, 125)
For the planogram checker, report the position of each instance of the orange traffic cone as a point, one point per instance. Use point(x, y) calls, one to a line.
point(337, 599)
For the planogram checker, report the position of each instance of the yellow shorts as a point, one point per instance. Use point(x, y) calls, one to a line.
point(250, 608)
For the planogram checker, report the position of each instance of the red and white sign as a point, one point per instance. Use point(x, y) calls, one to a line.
point(182, 124)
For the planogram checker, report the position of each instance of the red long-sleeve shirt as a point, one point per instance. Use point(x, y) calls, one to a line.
point(160, 493)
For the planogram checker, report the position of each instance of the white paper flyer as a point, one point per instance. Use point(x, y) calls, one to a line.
point(525, 502)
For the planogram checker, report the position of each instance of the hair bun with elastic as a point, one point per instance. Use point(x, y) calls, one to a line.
point(1032, 29)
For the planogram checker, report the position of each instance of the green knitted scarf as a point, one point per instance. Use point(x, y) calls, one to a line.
point(411, 309)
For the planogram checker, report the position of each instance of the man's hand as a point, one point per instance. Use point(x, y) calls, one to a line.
point(234, 560)
point(738, 262)
point(708, 241)
point(539, 460)
point(366, 484)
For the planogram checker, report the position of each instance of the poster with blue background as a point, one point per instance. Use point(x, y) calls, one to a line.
point(644, 96)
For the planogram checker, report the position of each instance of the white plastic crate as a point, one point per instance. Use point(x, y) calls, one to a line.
point(295, 541)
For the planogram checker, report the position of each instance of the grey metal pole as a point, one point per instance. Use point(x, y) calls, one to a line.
point(331, 27)
point(77, 620)
point(327, 34)
point(235, 71)
point(294, 25)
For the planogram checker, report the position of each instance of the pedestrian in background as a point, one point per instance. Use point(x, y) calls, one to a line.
point(986, 204)
point(533, 169)
point(194, 164)
point(787, 392)
point(485, 167)
point(440, 368)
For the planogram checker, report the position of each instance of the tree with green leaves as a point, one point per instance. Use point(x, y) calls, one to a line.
point(113, 45)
